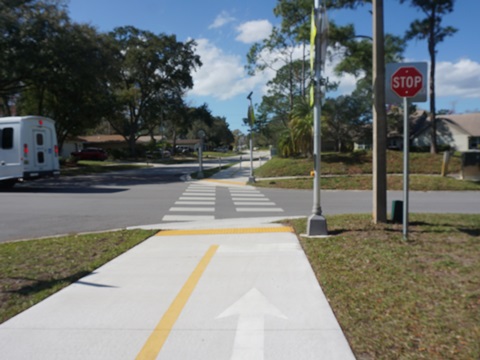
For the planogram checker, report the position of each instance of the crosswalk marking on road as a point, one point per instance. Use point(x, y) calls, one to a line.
point(198, 193)
point(198, 200)
point(250, 199)
point(259, 209)
point(194, 202)
point(194, 209)
point(270, 203)
point(201, 198)
point(194, 199)
point(188, 218)
point(244, 199)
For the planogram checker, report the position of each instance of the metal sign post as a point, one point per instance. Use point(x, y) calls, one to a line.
point(408, 82)
point(406, 174)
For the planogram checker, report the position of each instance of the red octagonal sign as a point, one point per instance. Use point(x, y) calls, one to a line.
point(407, 81)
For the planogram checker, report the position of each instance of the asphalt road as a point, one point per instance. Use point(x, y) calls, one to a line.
point(158, 195)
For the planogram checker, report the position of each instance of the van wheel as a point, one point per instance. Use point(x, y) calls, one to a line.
point(7, 184)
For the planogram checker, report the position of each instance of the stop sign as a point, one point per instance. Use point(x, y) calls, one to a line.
point(407, 81)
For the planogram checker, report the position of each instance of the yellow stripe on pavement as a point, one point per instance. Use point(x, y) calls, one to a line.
point(157, 339)
point(280, 229)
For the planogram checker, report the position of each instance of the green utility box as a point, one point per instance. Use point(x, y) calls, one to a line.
point(397, 212)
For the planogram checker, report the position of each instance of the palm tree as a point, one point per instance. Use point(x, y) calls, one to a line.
point(301, 126)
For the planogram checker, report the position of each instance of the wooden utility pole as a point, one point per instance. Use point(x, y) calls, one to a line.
point(379, 118)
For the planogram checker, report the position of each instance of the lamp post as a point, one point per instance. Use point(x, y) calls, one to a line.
point(317, 224)
point(251, 119)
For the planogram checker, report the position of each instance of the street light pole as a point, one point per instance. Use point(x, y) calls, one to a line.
point(251, 178)
point(317, 224)
point(201, 134)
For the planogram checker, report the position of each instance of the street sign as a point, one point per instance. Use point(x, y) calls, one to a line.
point(407, 84)
point(407, 81)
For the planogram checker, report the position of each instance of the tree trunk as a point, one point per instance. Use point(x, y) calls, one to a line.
point(431, 50)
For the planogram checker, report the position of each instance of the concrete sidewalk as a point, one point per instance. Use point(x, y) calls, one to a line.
point(216, 290)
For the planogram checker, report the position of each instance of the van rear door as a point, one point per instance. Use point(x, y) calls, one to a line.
point(43, 149)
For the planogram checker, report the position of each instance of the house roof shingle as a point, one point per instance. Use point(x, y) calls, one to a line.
point(468, 122)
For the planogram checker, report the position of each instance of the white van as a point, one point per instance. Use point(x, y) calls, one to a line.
point(28, 149)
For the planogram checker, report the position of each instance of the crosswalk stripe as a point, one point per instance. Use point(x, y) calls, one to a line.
point(249, 195)
point(193, 209)
point(250, 199)
point(259, 209)
point(254, 203)
point(192, 198)
point(197, 194)
point(241, 191)
point(188, 217)
point(194, 202)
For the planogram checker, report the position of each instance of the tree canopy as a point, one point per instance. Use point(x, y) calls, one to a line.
point(52, 66)
point(430, 28)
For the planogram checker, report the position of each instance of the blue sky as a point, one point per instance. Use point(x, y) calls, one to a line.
point(225, 30)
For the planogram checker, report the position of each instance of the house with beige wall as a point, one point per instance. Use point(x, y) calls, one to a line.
point(460, 131)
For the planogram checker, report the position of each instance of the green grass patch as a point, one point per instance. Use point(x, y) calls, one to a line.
point(359, 162)
point(216, 154)
point(364, 182)
point(32, 270)
point(402, 300)
point(85, 167)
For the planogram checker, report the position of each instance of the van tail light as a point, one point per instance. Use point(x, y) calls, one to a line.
point(55, 148)
point(25, 149)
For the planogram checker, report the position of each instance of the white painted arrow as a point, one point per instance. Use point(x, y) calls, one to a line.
point(249, 337)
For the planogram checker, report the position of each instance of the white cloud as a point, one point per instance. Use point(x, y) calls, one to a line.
point(222, 19)
point(346, 82)
point(460, 79)
point(222, 75)
point(253, 31)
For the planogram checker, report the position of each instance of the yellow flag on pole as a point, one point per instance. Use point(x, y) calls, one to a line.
point(313, 37)
point(251, 115)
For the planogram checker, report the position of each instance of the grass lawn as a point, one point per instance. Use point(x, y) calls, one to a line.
point(364, 182)
point(402, 300)
point(32, 270)
point(359, 162)
point(394, 299)
point(352, 171)
point(85, 167)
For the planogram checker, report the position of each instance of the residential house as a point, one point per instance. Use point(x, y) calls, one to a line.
point(459, 131)
point(118, 142)
point(418, 120)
